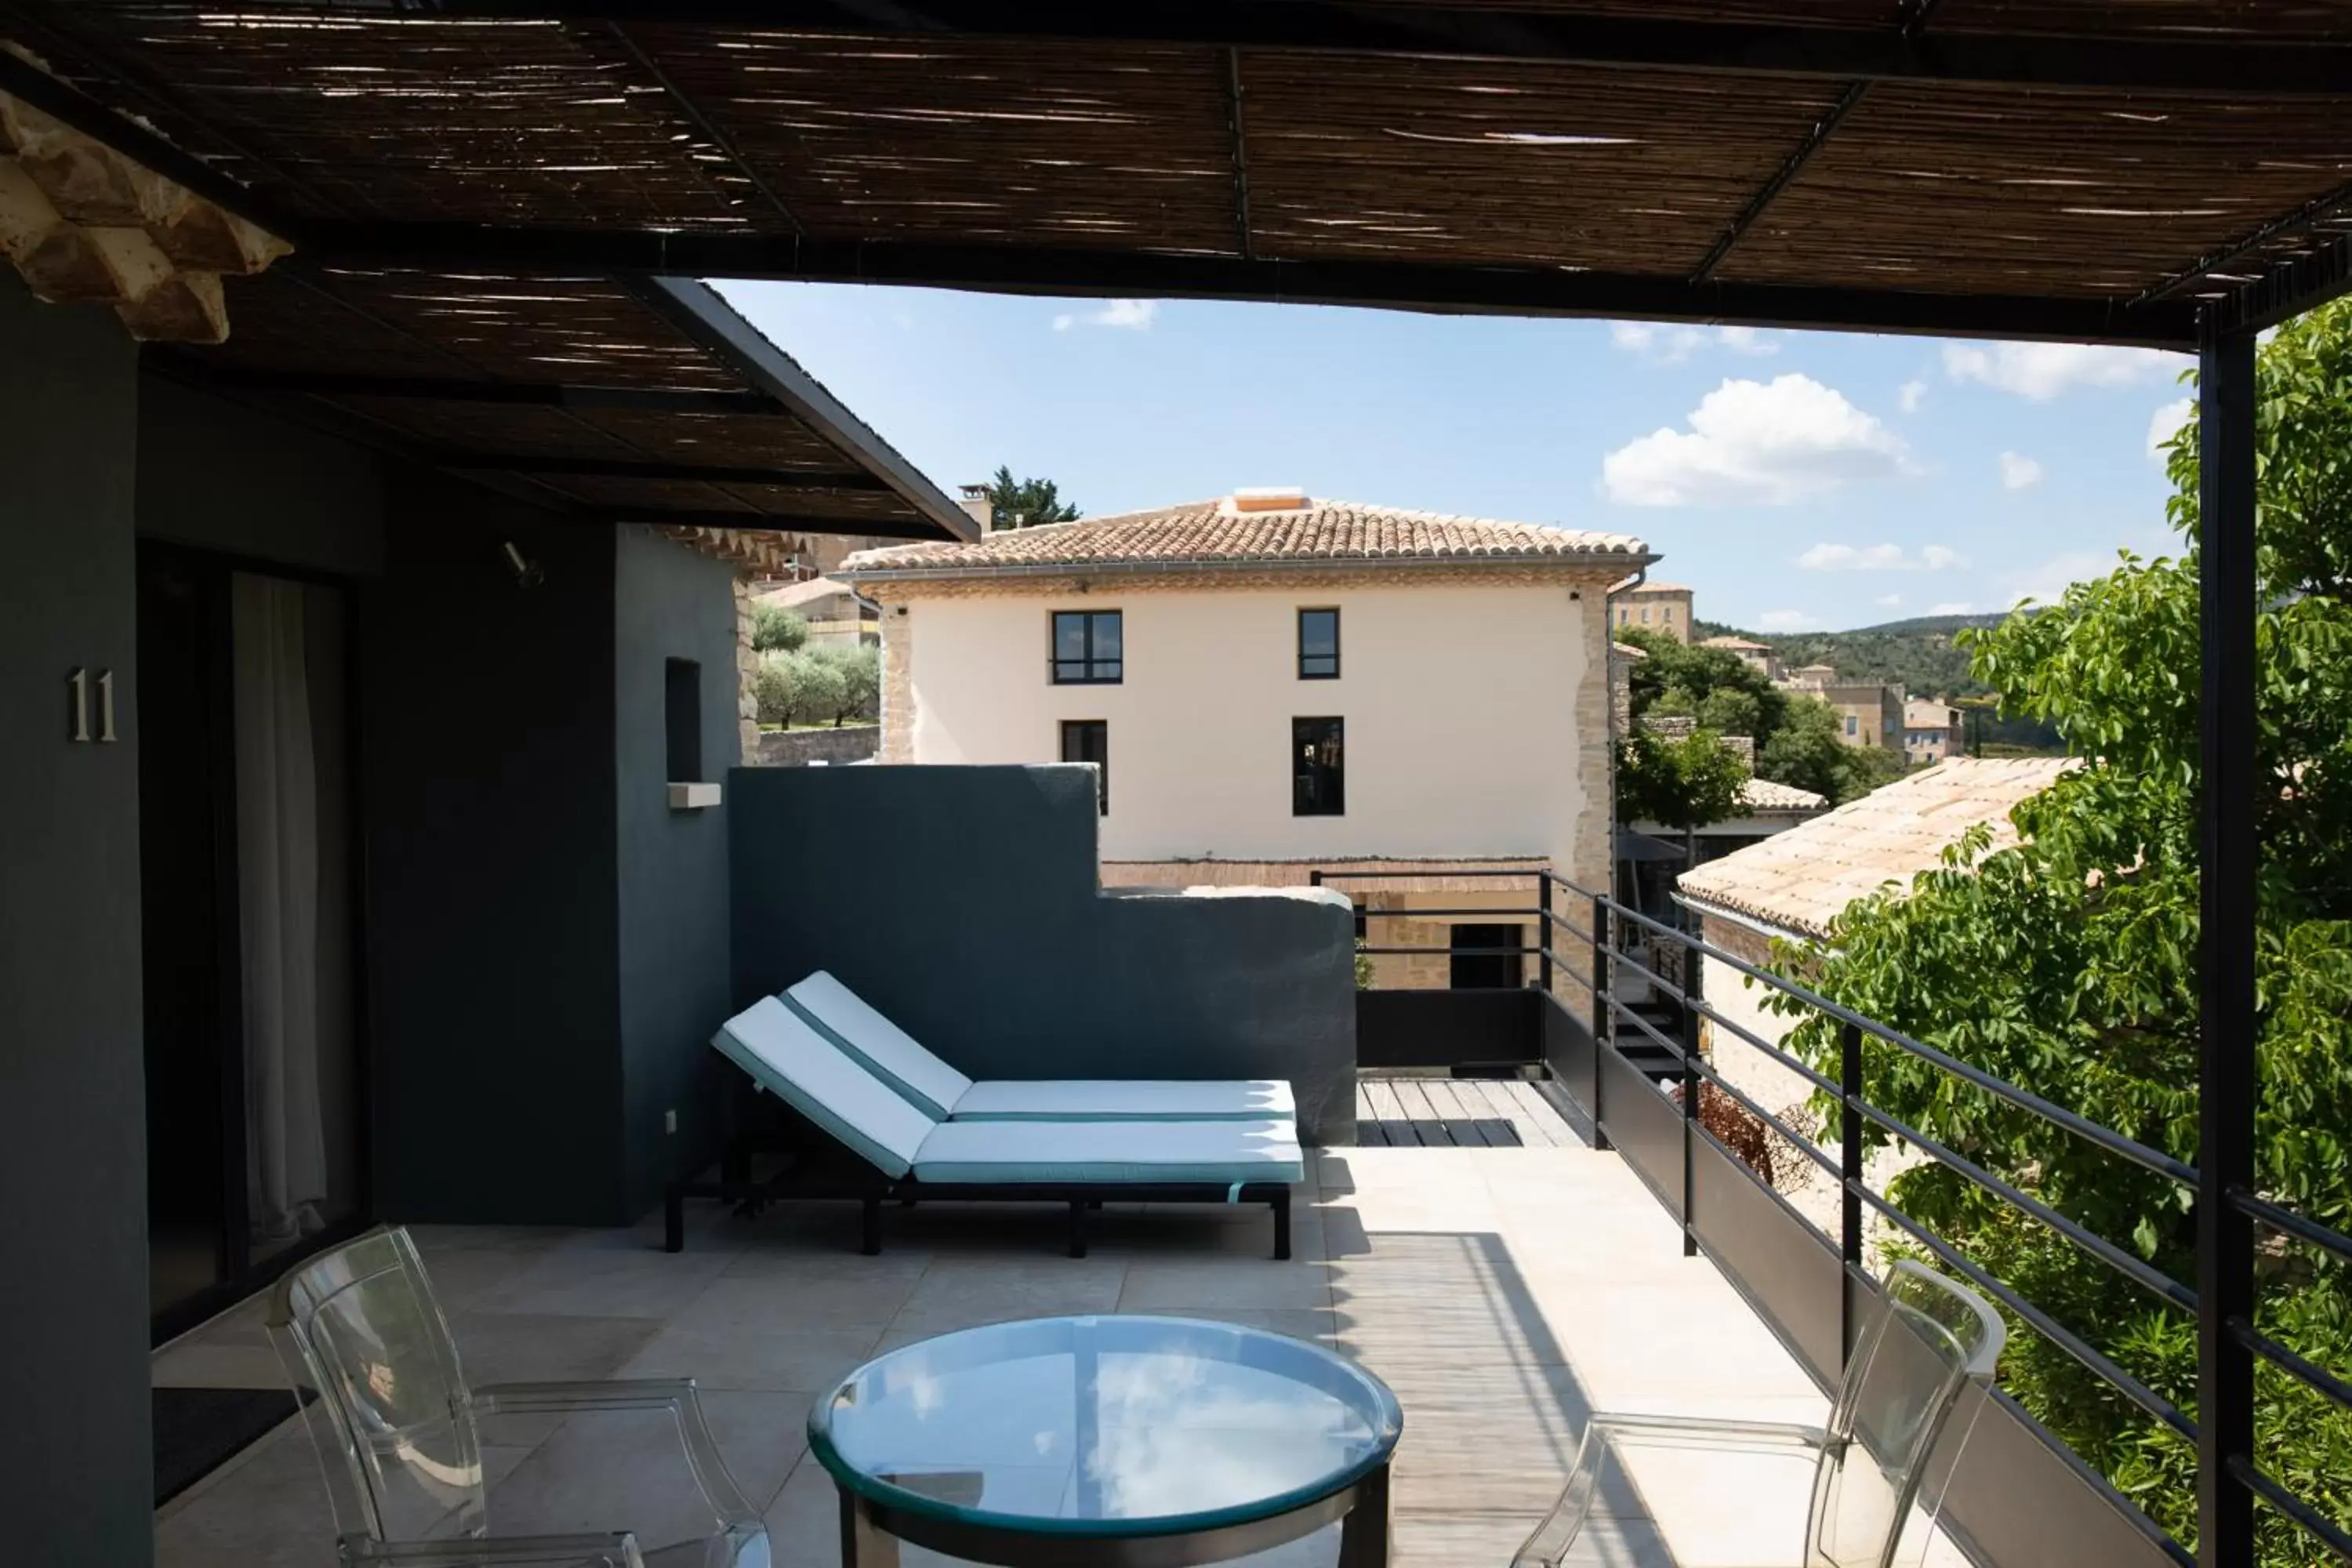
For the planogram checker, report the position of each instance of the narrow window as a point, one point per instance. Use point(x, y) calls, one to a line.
point(1319, 772)
point(1646, 614)
point(1666, 615)
point(1087, 648)
point(1852, 724)
point(1088, 741)
point(682, 719)
point(1319, 644)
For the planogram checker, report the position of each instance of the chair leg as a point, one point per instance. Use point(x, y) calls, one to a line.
point(1078, 1228)
point(673, 1219)
point(1280, 1204)
point(869, 1241)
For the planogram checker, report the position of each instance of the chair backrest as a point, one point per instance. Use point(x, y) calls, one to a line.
point(883, 1049)
point(787, 1057)
point(1925, 1339)
point(394, 1422)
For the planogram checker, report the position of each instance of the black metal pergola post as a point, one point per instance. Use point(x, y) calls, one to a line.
point(2226, 1012)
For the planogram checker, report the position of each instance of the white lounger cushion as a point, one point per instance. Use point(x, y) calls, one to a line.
point(900, 1060)
point(885, 1050)
point(1105, 1100)
point(1109, 1152)
point(815, 1078)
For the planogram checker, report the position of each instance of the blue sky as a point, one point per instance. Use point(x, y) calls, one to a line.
point(1796, 481)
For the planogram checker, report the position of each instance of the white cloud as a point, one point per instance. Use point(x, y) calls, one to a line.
point(1828, 557)
point(1784, 621)
point(2046, 584)
point(1135, 315)
point(2165, 423)
point(1751, 443)
point(2042, 371)
point(1955, 607)
point(1666, 344)
point(1910, 395)
point(1889, 600)
point(2019, 472)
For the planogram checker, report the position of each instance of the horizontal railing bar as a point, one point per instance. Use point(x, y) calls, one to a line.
point(2115, 1143)
point(2293, 1224)
point(1434, 871)
point(1794, 1063)
point(1369, 913)
point(2057, 1334)
point(1454, 951)
point(2097, 1245)
point(2270, 1349)
point(1560, 923)
point(2293, 1507)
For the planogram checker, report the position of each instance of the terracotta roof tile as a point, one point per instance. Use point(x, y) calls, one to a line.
point(1802, 879)
point(1213, 534)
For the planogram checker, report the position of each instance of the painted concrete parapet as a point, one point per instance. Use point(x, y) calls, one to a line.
point(965, 903)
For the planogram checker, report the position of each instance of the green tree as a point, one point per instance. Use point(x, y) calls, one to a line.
point(1798, 739)
point(775, 629)
point(1025, 503)
point(1686, 782)
point(775, 687)
point(819, 686)
point(860, 672)
point(2066, 964)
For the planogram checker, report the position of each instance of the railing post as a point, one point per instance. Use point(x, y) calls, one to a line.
point(1691, 991)
point(1850, 1177)
point(1543, 929)
point(2227, 855)
point(1604, 1023)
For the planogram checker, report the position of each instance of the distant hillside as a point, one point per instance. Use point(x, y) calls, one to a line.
point(1916, 655)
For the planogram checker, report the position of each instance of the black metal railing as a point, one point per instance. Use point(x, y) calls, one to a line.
point(1599, 952)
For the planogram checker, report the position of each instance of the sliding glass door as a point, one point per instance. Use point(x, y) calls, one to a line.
point(246, 834)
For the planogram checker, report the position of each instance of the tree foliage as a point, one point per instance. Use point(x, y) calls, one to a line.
point(1797, 736)
point(818, 683)
point(2066, 964)
point(1025, 503)
point(775, 629)
point(1686, 782)
point(1928, 656)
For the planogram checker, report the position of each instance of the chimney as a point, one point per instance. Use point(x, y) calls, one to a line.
point(975, 502)
point(1270, 497)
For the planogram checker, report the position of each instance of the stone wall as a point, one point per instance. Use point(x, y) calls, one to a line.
point(799, 748)
point(747, 668)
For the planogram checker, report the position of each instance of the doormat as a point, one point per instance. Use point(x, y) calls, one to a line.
point(197, 1430)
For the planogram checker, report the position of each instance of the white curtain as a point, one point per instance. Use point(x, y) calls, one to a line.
point(277, 896)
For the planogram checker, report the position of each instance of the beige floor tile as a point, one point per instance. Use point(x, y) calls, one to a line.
point(770, 1359)
point(842, 1298)
point(519, 1347)
point(605, 1282)
point(1173, 1286)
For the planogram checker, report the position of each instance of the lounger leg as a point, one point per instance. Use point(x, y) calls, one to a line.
point(673, 1219)
point(1280, 1204)
point(870, 1240)
point(1078, 1227)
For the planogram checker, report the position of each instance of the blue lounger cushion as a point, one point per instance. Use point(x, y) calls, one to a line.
point(1111, 1153)
point(1126, 1100)
point(817, 1078)
point(941, 1092)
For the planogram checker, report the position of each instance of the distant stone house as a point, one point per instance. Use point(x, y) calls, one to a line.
point(1270, 684)
point(1789, 887)
point(1758, 657)
point(1661, 608)
point(834, 617)
point(1932, 729)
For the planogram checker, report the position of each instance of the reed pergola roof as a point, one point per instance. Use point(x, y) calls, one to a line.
point(2096, 170)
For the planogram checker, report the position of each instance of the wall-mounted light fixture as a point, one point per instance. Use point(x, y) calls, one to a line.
point(528, 574)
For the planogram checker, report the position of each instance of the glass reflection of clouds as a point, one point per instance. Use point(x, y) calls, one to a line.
point(1122, 1418)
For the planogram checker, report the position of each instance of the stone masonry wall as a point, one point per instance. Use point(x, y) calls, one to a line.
point(799, 748)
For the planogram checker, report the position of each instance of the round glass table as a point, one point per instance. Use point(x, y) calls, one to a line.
point(1129, 1441)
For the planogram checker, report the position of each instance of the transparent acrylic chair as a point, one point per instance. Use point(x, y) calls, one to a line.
point(395, 1426)
point(1923, 1340)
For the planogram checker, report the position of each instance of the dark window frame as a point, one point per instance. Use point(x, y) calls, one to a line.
point(1304, 673)
point(1318, 789)
point(1101, 763)
point(682, 721)
point(1089, 663)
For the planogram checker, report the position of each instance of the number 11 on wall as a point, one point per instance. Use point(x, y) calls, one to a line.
point(78, 687)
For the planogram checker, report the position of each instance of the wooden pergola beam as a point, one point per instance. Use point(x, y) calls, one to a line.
point(615, 469)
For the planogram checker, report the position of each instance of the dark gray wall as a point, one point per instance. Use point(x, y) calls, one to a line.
point(226, 477)
point(963, 902)
point(73, 1185)
point(488, 783)
point(669, 603)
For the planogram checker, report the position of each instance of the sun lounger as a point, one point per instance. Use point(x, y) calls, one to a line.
point(898, 1059)
point(906, 1153)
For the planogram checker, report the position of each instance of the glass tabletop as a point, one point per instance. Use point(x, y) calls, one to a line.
point(1103, 1426)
